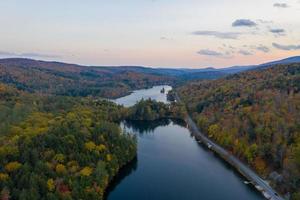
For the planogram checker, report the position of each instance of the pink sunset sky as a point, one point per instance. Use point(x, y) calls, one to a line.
point(155, 33)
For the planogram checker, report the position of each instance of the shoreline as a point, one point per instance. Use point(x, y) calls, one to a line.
point(132, 90)
point(114, 179)
point(260, 184)
point(256, 182)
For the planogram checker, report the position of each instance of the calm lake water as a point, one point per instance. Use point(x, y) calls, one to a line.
point(171, 165)
point(153, 93)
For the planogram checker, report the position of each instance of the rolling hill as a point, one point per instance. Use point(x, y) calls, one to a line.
point(105, 81)
point(74, 80)
point(256, 116)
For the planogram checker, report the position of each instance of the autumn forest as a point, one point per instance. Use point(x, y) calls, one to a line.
point(256, 116)
point(60, 136)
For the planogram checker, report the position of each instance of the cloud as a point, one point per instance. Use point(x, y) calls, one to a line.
point(263, 48)
point(286, 47)
point(163, 38)
point(217, 54)
point(243, 22)
point(39, 55)
point(166, 38)
point(217, 34)
point(262, 21)
point(5, 53)
point(278, 31)
point(280, 5)
point(30, 55)
point(245, 53)
point(207, 52)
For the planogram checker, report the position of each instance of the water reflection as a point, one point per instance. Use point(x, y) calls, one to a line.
point(124, 172)
point(140, 128)
point(172, 165)
point(147, 127)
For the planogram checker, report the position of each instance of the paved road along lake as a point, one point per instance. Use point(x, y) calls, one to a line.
point(171, 165)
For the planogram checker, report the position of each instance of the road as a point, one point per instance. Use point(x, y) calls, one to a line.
point(248, 173)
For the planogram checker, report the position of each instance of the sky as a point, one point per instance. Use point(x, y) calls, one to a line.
point(155, 33)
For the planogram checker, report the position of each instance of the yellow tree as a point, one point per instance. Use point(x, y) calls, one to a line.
point(86, 171)
point(90, 146)
point(50, 184)
point(12, 166)
point(60, 169)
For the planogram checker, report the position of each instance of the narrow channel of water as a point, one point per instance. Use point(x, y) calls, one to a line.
point(153, 93)
point(171, 165)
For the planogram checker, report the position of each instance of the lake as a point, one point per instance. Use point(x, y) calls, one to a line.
point(153, 93)
point(171, 165)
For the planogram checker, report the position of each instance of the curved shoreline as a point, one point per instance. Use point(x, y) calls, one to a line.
point(118, 177)
point(267, 191)
point(111, 183)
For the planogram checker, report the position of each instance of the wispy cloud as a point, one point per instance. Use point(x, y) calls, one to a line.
point(263, 48)
point(207, 52)
point(212, 53)
point(262, 21)
point(5, 53)
point(218, 34)
point(278, 31)
point(245, 53)
point(163, 38)
point(280, 5)
point(243, 22)
point(29, 54)
point(286, 47)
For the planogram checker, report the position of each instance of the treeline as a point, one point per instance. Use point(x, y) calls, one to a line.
point(151, 110)
point(62, 147)
point(256, 116)
point(75, 80)
point(58, 147)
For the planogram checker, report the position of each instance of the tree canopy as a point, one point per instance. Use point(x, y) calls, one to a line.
point(58, 147)
point(256, 116)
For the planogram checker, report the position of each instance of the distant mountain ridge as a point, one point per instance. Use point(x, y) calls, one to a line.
point(294, 59)
point(237, 69)
point(206, 73)
point(73, 79)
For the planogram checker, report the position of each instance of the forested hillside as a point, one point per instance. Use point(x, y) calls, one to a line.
point(75, 80)
point(57, 147)
point(256, 116)
point(58, 139)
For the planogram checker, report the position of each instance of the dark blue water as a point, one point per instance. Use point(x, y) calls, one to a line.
point(171, 165)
